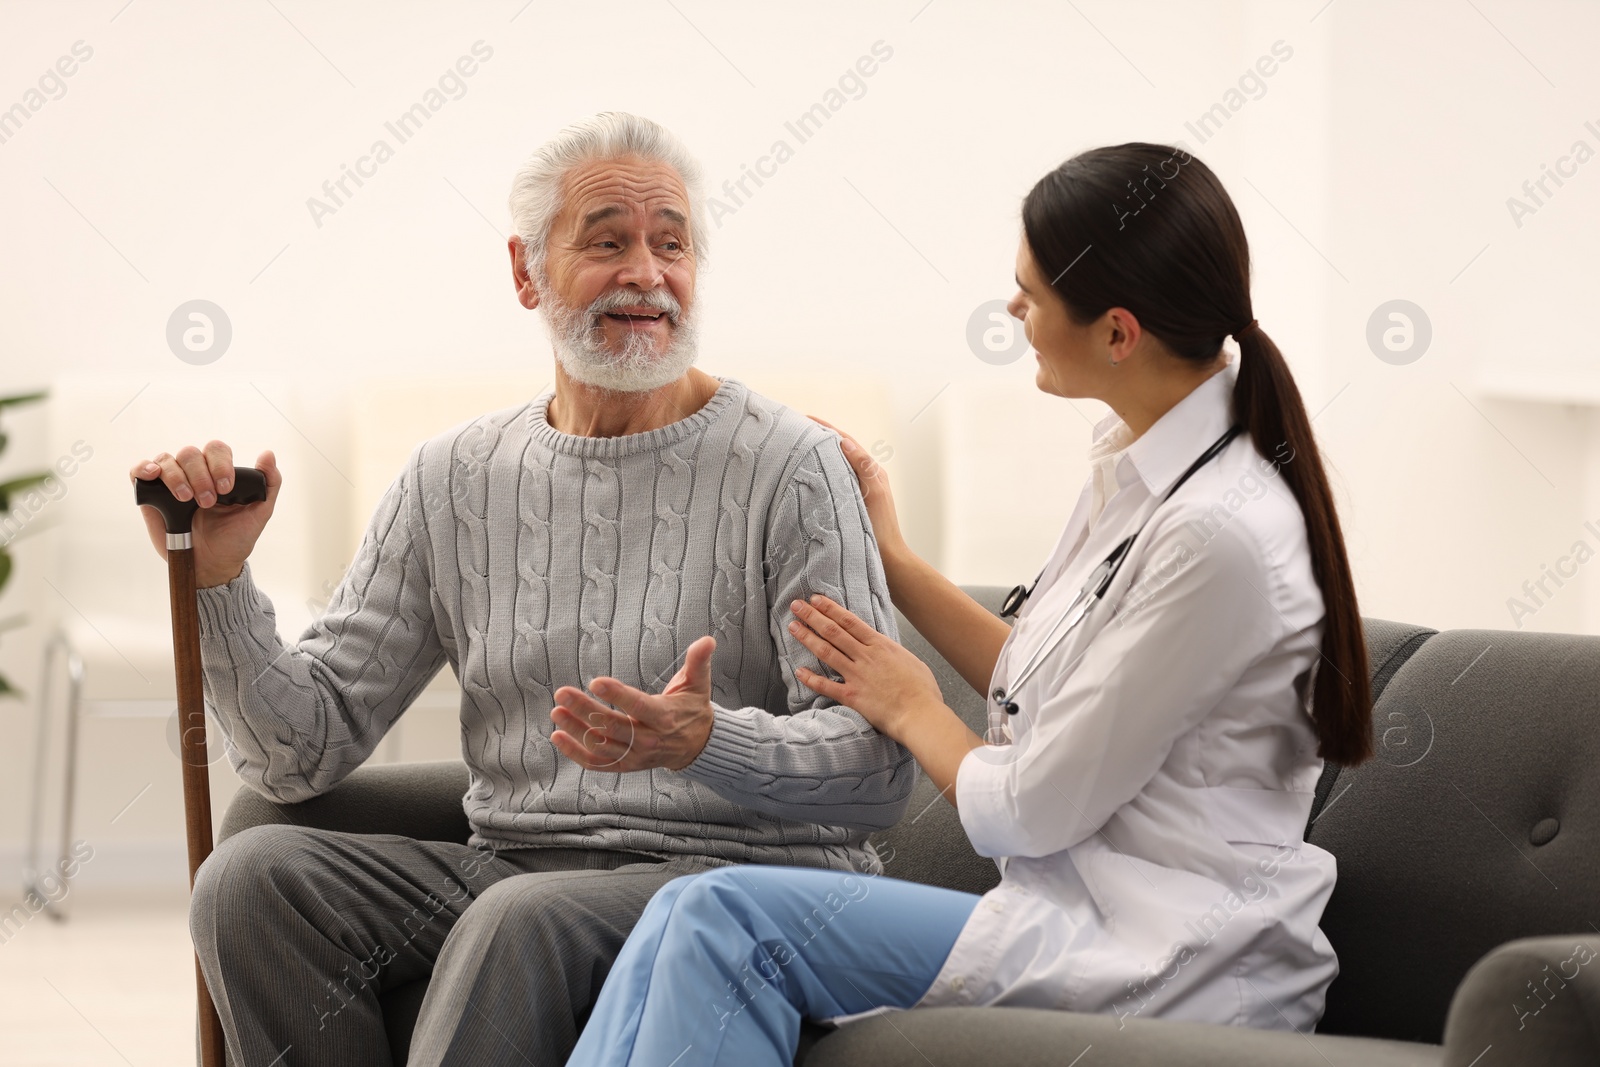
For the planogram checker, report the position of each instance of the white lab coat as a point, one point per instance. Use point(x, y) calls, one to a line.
point(1147, 813)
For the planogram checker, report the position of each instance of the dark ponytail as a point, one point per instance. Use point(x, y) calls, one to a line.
point(1157, 234)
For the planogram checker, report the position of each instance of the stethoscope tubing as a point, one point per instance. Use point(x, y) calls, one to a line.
point(1094, 590)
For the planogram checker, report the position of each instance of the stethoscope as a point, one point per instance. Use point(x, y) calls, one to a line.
point(1094, 589)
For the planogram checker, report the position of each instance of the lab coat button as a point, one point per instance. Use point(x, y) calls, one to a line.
point(957, 983)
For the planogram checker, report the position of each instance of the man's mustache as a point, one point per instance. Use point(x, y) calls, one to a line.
point(655, 299)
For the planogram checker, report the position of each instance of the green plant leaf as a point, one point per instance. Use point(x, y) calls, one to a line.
point(6, 489)
point(17, 485)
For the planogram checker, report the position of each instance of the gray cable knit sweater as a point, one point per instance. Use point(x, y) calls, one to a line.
point(529, 559)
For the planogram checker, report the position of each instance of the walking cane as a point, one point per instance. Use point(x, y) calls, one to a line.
point(249, 486)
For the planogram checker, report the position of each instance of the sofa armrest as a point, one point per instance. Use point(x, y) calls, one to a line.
point(419, 800)
point(1533, 1000)
point(1032, 1037)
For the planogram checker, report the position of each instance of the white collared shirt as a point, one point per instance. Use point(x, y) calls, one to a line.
point(1104, 456)
point(1147, 816)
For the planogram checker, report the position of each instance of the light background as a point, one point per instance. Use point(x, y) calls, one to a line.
point(1374, 164)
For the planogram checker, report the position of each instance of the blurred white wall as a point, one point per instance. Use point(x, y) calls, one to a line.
point(1374, 163)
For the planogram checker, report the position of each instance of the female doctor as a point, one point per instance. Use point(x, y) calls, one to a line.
point(1151, 753)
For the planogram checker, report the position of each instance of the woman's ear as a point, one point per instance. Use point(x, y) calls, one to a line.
point(1125, 328)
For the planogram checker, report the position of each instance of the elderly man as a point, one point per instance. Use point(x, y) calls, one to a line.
point(608, 569)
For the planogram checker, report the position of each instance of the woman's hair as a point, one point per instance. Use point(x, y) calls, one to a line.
point(1149, 228)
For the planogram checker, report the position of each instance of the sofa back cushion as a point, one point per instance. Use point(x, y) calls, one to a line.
point(929, 844)
point(1477, 823)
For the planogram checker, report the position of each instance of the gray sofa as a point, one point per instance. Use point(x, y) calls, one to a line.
point(1465, 915)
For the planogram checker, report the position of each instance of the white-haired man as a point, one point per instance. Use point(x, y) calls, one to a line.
point(609, 570)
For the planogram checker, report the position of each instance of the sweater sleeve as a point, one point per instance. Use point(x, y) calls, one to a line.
point(300, 717)
point(821, 762)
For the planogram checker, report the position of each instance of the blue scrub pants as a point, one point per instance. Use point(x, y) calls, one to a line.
point(723, 965)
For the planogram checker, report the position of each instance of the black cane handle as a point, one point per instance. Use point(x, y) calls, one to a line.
point(249, 487)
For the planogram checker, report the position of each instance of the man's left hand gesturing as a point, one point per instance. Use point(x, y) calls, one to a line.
point(639, 730)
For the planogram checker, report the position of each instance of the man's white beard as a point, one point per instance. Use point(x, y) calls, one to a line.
point(636, 367)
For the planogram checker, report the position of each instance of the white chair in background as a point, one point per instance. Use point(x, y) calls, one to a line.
point(105, 596)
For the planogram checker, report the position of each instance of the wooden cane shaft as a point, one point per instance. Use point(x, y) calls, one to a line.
point(191, 707)
point(192, 751)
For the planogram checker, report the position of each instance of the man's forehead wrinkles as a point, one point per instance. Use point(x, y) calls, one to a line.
point(653, 205)
point(610, 183)
point(628, 191)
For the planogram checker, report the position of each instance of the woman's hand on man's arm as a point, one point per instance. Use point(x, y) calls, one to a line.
point(886, 684)
point(960, 629)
